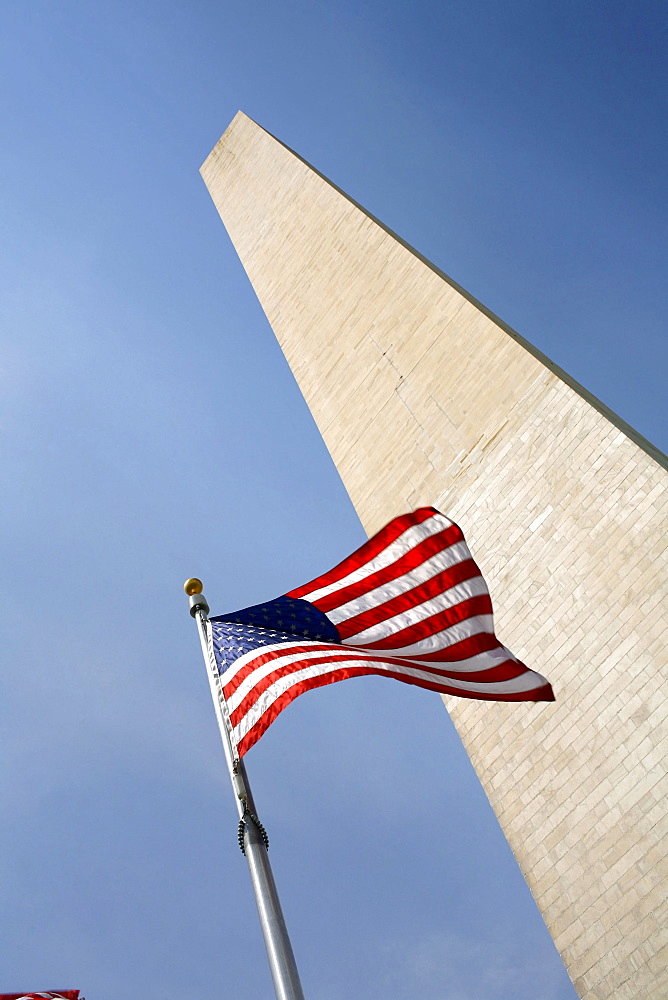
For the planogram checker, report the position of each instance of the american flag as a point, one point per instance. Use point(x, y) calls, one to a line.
point(409, 604)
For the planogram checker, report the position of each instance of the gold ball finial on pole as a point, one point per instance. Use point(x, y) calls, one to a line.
point(193, 586)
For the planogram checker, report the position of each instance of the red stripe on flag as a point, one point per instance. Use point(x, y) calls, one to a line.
point(481, 642)
point(368, 551)
point(428, 626)
point(258, 661)
point(419, 554)
point(503, 671)
point(409, 599)
point(543, 693)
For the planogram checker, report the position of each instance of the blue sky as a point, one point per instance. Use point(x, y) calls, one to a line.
point(151, 430)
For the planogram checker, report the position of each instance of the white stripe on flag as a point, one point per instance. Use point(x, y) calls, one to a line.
point(524, 682)
point(449, 557)
point(448, 599)
point(313, 649)
point(446, 637)
point(438, 641)
point(406, 541)
point(316, 651)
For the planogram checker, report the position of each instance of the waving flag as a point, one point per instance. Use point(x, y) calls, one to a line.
point(409, 604)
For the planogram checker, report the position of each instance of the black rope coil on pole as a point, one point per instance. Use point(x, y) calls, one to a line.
point(248, 815)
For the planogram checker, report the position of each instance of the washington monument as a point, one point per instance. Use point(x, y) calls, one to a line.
point(423, 397)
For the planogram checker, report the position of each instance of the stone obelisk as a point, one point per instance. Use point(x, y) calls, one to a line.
point(424, 397)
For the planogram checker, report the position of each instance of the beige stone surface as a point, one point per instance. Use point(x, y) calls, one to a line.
point(424, 397)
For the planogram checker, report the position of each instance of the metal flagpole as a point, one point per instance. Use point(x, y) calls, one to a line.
point(252, 836)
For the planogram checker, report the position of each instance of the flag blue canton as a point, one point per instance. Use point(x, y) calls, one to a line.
point(268, 624)
point(232, 641)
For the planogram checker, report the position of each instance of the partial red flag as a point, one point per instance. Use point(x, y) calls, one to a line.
point(61, 995)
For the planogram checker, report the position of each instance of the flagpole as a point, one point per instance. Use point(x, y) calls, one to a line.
point(252, 836)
